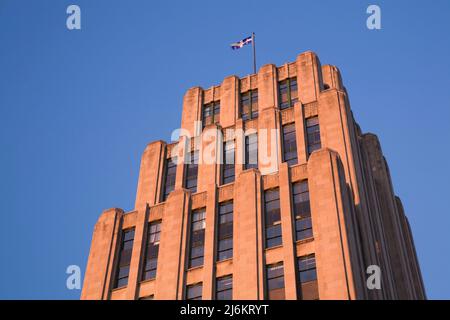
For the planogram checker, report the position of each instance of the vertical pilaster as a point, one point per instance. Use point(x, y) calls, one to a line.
point(329, 226)
point(287, 223)
point(247, 237)
point(210, 243)
point(210, 157)
point(229, 101)
point(99, 269)
point(135, 263)
point(308, 77)
point(171, 259)
point(150, 175)
point(192, 111)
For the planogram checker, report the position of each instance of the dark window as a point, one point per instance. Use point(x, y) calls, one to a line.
point(307, 277)
point(272, 217)
point(228, 162)
point(289, 144)
point(275, 281)
point(251, 151)
point(313, 134)
point(192, 172)
point(194, 292)
point(150, 297)
point(123, 267)
point(211, 113)
point(249, 105)
point(171, 172)
point(302, 210)
point(225, 234)
point(224, 288)
point(197, 242)
point(288, 93)
point(151, 250)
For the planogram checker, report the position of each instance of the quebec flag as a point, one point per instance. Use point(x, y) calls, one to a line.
point(240, 44)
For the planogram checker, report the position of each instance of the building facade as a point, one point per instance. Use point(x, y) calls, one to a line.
point(296, 202)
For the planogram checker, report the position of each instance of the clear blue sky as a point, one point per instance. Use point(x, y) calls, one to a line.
point(77, 109)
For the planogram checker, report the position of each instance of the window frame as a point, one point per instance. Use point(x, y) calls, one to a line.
point(192, 234)
point(305, 214)
point(293, 141)
point(290, 101)
point(192, 166)
point(228, 237)
point(253, 102)
point(275, 277)
point(214, 113)
point(124, 264)
point(310, 132)
point(148, 243)
point(227, 167)
point(225, 290)
point(247, 144)
point(276, 224)
point(170, 163)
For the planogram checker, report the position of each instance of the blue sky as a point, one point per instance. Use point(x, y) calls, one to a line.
point(78, 108)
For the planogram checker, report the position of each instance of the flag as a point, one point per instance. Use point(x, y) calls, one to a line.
point(240, 44)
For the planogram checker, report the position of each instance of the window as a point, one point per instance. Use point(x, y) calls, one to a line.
point(211, 113)
point(288, 93)
point(224, 288)
point(151, 250)
point(123, 268)
point(307, 277)
point(275, 281)
point(289, 144)
point(313, 134)
point(197, 238)
point(225, 234)
point(171, 171)
point(194, 292)
point(192, 172)
point(251, 151)
point(228, 162)
point(272, 217)
point(302, 210)
point(249, 105)
point(150, 297)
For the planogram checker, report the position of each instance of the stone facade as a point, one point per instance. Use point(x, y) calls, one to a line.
point(357, 220)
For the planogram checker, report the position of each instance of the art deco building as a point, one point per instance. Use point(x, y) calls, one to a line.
point(296, 204)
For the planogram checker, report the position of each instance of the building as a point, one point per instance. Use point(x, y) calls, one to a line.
point(304, 221)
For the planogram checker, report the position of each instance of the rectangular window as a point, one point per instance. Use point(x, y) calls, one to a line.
point(192, 172)
point(225, 233)
point(194, 292)
point(151, 250)
point(224, 288)
point(272, 217)
point(251, 151)
point(288, 93)
point(302, 210)
point(228, 162)
point(275, 281)
point(170, 174)
point(197, 242)
point(123, 267)
point(211, 113)
point(249, 105)
point(289, 144)
point(313, 134)
point(307, 277)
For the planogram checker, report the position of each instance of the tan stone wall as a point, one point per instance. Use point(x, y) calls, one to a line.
point(357, 220)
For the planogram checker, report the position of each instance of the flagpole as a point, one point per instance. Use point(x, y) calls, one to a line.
point(254, 52)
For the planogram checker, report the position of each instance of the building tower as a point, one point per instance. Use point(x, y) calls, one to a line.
point(271, 192)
